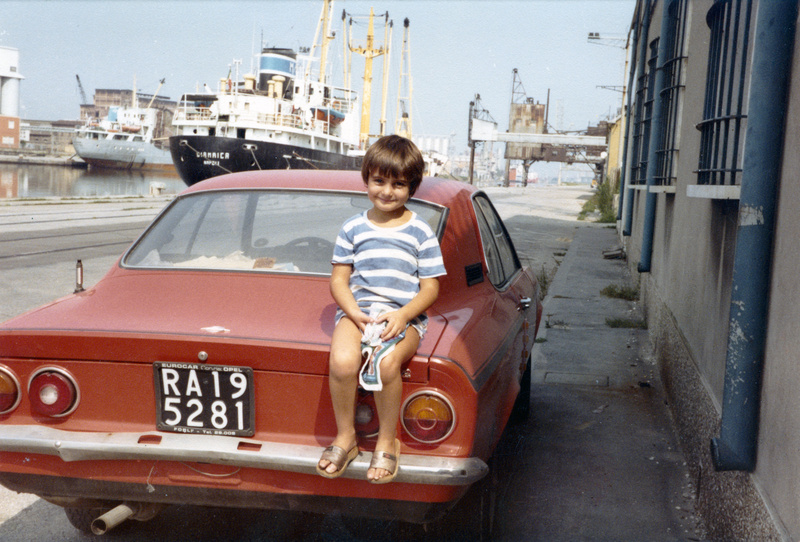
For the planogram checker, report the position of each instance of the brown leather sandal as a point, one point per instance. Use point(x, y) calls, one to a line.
point(339, 457)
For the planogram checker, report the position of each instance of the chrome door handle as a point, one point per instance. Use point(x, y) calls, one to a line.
point(524, 304)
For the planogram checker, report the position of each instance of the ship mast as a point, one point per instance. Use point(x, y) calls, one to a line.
point(387, 39)
point(369, 51)
point(348, 55)
point(403, 117)
point(324, 19)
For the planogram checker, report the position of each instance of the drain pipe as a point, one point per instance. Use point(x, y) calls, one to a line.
point(735, 448)
point(656, 137)
point(631, 81)
point(640, 66)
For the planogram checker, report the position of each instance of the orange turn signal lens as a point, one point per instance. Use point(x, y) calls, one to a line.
point(428, 417)
point(9, 391)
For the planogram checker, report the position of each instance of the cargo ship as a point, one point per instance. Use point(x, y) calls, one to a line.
point(280, 117)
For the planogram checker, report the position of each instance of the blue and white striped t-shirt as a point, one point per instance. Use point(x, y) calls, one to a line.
point(388, 262)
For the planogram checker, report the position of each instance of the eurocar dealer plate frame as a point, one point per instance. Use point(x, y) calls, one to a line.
point(204, 399)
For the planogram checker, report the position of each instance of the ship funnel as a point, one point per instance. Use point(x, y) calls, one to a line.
point(274, 63)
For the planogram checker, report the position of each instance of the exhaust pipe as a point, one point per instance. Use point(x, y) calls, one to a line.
point(127, 510)
point(112, 518)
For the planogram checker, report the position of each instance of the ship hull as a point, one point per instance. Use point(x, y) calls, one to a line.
point(110, 154)
point(197, 158)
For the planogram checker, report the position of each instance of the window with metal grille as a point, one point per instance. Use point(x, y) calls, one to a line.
point(671, 94)
point(724, 111)
point(643, 116)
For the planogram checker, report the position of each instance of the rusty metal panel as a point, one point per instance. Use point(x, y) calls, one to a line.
point(525, 118)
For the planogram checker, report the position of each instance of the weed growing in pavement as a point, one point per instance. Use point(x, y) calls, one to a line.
point(629, 293)
point(626, 323)
point(543, 278)
point(603, 201)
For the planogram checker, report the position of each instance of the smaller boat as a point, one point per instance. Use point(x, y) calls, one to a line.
point(123, 140)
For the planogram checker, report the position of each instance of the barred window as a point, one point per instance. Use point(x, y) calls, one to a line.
point(643, 117)
point(671, 94)
point(724, 115)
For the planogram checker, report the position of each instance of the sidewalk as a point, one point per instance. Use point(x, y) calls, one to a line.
point(599, 459)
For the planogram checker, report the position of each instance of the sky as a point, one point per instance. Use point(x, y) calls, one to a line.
point(458, 49)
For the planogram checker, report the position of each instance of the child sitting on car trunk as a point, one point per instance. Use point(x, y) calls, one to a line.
point(385, 263)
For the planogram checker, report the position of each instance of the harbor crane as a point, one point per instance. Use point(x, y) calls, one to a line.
point(80, 89)
point(160, 83)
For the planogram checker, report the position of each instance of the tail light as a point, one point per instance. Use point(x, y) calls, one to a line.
point(428, 417)
point(9, 391)
point(366, 415)
point(52, 392)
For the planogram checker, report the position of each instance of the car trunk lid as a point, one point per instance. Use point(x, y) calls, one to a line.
point(272, 322)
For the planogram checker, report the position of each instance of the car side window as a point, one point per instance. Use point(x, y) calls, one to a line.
point(501, 257)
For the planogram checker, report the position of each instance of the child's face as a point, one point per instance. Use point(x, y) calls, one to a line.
point(387, 194)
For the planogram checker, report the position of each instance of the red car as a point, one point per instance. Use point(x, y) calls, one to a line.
point(196, 370)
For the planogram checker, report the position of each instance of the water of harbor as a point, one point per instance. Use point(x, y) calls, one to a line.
point(41, 181)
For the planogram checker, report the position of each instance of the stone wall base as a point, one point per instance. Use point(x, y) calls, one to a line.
point(730, 503)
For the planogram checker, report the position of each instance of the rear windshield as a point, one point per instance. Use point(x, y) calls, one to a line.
point(260, 230)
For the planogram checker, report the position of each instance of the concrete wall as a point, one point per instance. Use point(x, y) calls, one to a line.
point(687, 294)
point(778, 467)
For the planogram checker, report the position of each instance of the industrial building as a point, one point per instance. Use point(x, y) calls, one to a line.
point(709, 224)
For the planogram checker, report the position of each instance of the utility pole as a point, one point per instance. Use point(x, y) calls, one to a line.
point(470, 141)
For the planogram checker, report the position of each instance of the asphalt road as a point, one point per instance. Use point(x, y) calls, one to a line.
point(38, 249)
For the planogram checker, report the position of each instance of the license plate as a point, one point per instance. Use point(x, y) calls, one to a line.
point(204, 399)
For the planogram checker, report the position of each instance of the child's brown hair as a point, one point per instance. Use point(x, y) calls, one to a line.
point(397, 157)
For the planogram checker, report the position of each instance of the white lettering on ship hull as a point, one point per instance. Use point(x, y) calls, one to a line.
point(211, 155)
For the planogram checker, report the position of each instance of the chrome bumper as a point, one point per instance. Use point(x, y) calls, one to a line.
point(79, 446)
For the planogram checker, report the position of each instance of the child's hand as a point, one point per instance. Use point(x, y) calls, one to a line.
point(396, 323)
point(361, 320)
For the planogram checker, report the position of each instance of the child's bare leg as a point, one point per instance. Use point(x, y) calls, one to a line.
point(344, 363)
point(387, 401)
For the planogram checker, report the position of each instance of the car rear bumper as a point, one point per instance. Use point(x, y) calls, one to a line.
point(83, 446)
point(86, 493)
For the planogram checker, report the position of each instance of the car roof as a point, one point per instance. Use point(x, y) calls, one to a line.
point(433, 189)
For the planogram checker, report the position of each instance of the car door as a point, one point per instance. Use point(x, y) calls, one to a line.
point(513, 313)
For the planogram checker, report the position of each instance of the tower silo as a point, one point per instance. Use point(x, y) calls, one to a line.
point(9, 82)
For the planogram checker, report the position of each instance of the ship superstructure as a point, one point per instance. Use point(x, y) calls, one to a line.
point(281, 117)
